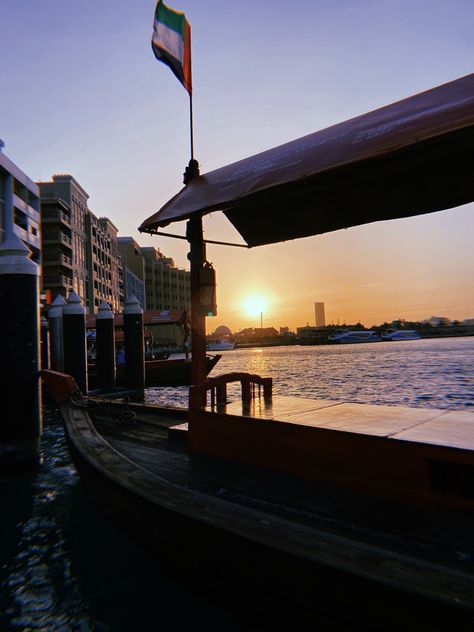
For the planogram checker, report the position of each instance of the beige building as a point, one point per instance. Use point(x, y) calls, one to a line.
point(133, 264)
point(104, 262)
point(63, 226)
point(80, 250)
point(166, 286)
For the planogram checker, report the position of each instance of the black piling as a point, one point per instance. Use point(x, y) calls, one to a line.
point(55, 320)
point(45, 357)
point(105, 347)
point(74, 337)
point(20, 392)
point(134, 346)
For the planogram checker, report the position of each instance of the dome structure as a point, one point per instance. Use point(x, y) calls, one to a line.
point(222, 330)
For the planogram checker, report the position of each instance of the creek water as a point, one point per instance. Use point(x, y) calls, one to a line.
point(63, 567)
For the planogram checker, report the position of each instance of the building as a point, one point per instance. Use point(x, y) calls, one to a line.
point(20, 205)
point(104, 265)
point(64, 237)
point(133, 264)
point(166, 286)
point(80, 250)
point(320, 317)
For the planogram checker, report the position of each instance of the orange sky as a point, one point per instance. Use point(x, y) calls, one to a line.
point(90, 99)
point(412, 268)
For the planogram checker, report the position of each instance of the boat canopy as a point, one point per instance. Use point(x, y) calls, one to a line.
point(150, 317)
point(412, 157)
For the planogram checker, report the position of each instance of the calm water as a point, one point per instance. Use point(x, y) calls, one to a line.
point(433, 373)
point(62, 567)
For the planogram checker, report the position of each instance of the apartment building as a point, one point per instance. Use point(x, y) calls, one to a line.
point(80, 250)
point(19, 205)
point(105, 269)
point(64, 237)
point(133, 264)
point(166, 286)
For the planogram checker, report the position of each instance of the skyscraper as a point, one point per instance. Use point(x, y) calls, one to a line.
point(319, 315)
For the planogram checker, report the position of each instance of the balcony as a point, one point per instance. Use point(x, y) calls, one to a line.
point(59, 260)
point(56, 280)
point(56, 237)
point(50, 216)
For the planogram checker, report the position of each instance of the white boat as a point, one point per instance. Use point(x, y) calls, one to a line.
point(346, 336)
point(400, 334)
point(220, 345)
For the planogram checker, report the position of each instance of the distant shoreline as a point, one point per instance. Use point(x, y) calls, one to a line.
point(317, 343)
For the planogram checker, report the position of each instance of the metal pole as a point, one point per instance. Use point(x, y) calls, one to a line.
point(191, 126)
point(197, 257)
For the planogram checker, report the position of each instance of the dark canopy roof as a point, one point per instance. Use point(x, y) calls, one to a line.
point(412, 157)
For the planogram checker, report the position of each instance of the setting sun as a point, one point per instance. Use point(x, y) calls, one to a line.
point(254, 305)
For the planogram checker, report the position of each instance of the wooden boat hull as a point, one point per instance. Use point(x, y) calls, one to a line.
point(215, 524)
point(169, 372)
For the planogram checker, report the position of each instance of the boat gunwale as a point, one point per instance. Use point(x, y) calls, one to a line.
point(384, 566)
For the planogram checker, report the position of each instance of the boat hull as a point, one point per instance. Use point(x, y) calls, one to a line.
point(169, 372)
point(249, 577)
point(265, 541)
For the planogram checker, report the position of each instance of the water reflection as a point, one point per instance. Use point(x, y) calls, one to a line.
point(63, 567)
point(428, 373)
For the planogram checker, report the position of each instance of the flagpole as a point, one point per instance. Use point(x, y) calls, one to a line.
point(191, 124)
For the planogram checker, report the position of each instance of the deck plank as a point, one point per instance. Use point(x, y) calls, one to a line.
point(423, 425)
point(454, 429)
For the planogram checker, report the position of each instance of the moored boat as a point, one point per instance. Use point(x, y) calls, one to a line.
point(348, 336)
point(292, 503)
point(170, 371)
point(291, 524)
point(400, 334)
point(220, 345)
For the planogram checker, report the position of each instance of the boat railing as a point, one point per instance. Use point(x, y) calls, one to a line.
point(252, 386)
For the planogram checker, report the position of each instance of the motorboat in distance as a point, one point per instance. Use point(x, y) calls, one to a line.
point(220, 345)
point(346, 336)
point(400, 334)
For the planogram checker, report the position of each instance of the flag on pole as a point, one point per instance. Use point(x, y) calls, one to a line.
point(171, 42)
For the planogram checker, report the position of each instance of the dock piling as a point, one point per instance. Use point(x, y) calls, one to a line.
point(45, 354)
point(55, 320)
point(74, 337)
point(105, 346)
point(134, 345)
point(20, 392)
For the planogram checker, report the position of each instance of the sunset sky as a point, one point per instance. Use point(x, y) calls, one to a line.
point(82, 93)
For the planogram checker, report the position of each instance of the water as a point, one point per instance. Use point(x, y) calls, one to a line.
point(63, 567)
point(433, 373)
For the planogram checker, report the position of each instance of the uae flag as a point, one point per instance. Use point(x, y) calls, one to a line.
point(171, 42)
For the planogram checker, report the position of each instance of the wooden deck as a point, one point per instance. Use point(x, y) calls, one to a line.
point(417, 455)
point(453, 429)
point(370, 545)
